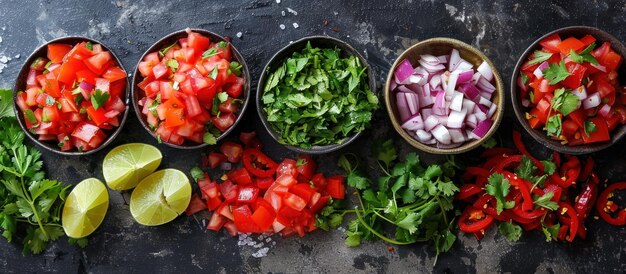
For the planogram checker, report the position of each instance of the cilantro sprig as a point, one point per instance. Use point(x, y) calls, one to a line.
point(564, 102)
point(412, 199)
point(556, 73)
point(584, 56)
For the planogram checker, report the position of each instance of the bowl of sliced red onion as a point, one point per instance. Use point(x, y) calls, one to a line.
point(444, 96)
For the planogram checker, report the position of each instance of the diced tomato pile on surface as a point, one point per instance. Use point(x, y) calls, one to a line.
point(554, 196)
point(264, 196)
point(571, 91)
point(191, 89)
point(73, 95)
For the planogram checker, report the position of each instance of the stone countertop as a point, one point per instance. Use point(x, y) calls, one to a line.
point(380, 30)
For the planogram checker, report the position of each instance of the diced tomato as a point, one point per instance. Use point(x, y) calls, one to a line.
point(287, 167)
point(197, 41)
point(97, 115)
point(286, 180)
point(229, 190)
point(85, 132)
point(50, 114)
point(321, 203)
point(225, 211)
point(68, 70)
point(231, 228)
point(304, 191)
point(234, 90)
point(264, 183)
point(228, 106)
point(263, 218)
point(224, 121)
point(306, 166)
point(243, 219)
point(577, 73)
point(240, 176)
point(216, 222)
point(98, 63)
point(51, 87)
point(247, 194)
point(159, 71)
point(336, 187)
point(56, 52)
point(551, 43)
point(196, 205)
point(213, 203)
point(232, 151)
point(601, 134)
point(569, 44)
point(81, 52)
point(612, 61)
point(114, 73)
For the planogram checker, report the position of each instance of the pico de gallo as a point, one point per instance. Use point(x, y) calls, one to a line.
point(191, 90)
point(523, 193)
point(74, 95)
point(570, 90)
point(263, 196)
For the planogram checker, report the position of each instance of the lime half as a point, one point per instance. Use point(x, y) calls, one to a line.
point(85, 208)
point(160, 197)
point(125, 165)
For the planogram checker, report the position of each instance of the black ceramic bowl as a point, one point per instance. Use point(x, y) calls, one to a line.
point(20, 85)
point(168, 40)
point(540, 135)
point(286, 52)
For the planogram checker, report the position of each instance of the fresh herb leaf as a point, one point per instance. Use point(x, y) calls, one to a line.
point(584, 56)
point(235, 68)
point(539, 56)
point(164, 51)
point(590, 127)
point(524, 78)
point(565, 102)
point(98, 98)
point(196, 173)
point(210, 52)
point(551, 232)
point(510, 231)
point(556, 73)
point(172, 64)
point(214, 73)
point(549, 167)
point(89, 45)
point(553, 126)
point(301, 162)
point(498, 187)
point(209, 138)
point(545, 201)
point(491, 142)
point(6, 103)
point(30, 116)
point(222, 96)
point(222, 44)
point(81, 242)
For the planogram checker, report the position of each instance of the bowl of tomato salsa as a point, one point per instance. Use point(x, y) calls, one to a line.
point(191, 88)
point(567, 90)
point(71, 96)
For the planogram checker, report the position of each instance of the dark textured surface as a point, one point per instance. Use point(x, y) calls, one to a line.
point(379, 29)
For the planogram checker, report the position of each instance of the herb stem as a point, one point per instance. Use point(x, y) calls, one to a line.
point(358, 216)
point(382, 216)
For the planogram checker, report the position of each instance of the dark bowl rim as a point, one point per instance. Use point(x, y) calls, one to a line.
point(157, 46)
point(469, 145)
point(24, 72)
point(519, 110)
point(288, 49)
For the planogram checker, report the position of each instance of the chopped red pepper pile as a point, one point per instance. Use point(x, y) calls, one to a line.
point(263, 196)
point(522, 192)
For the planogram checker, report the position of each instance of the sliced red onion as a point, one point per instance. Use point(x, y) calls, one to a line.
point(448, 146)
point(431, 122)
point(423, 136)
point(430, 59)
point(468, 105)
point(455, 59)
point(443, 58)
point(525, 102)
point(482, 128)
point(441, 134)
point(444, 80)
point(457, 101)
point(485, 102)
point(427, 90)
point(417, 79)
point(452, 83)
point(475, 78)
point(440, 101)
point(485, 85)
point(103, 84)
point(86, 86)
point(435, 81)
point(430, 142)
point(485, 70)
point(463, 66)
point(580, 92)
point(393, 85)
point(592, 101)
point(404, 89)
point(414, 123)
point(412, 102)
point(54, 66)
point(470, 91)
point(471, 121)
point(605, 111)
point(492, 111)
point(457, 135)
point(403, 107)
point(456, 119)
point(486, 95)
point(481, 108)
point(480, 116)
point(111, 114)
point(415, 88)
point(465, 76)
point(443, 119)
point(431, 68)
point(539, 70)
point(403, 71)
point(520, 84)
point(599, 67)
point(421, 72)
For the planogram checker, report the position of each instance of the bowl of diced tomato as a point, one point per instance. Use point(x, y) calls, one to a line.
point(71, 96)
point(190, 88)
point(568, 90)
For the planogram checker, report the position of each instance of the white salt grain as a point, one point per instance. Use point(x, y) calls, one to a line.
point(295, 25)
point(292, 11)
point(239, 34)
point(282, 26)
point(277, 1)
point(282, 13)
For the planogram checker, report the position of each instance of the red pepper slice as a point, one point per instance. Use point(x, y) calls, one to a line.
point(508, 162)
point(473, 171)
point(474, 220)
point(468, 190)
point(524, 188)
point(605, 206)
point(517, 140)
point(586, 199)
point(259, 164)
point(587, 169)
point(566, 209)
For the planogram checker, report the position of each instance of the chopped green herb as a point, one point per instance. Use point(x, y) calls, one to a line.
point(222, 96)
point(209, 138)
point(166, 49)
point(235, 68)
point(30, 116)
point(510, 231)
point(98, 98)
point(590, 127)
point(173, 64)
point(524, 78)
point(196, 173)
point(584, 56)
point(545, 201)
point(89, 46)
point(564, 102)
point(222, 44)
point(210, 52)
point(301, 162)
point(553, 126)
point(539, 56)
point(499, 187)
point(556, 73)
point(214, 73)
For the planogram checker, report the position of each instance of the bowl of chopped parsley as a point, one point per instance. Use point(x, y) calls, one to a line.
point(316, 95)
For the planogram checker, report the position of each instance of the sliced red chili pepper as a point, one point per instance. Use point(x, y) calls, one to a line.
point(524, 188)
point(517, 140)
point(468, 190)
point(566, 209)
point(259, 164)
point(556, 158)
point(586, 199)
point(477, 225)
point(587, 169)
point(605, 207)
point(562, 232)
point(508, 162)
point(531, 226)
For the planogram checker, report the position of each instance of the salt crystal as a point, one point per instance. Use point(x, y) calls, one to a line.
point(0, 39)
point(292, 11)
point(282, 13)
point(268, 240)
point(239, 34)
point(277, 1)
point(4, 59)
point(17, 56)
point(295, 25)
point(282, 26)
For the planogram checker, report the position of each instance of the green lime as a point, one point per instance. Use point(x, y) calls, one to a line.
point(85, 208)
point(125, 165)
point(160, 197)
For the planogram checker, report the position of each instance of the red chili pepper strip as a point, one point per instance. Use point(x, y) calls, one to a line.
point(556, 158)
point(605, 207)
point(507, 162)
point(586, 199)
point(472, 171)
point(524, 188)
point(517, 140)
point(474, 220)
point(587, 169)
point(566, 209)
point(259, 164)
point(468, 190)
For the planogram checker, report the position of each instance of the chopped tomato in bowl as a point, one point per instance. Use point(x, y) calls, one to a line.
point(71, 96)
point(190, 88)
point(568, 90)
